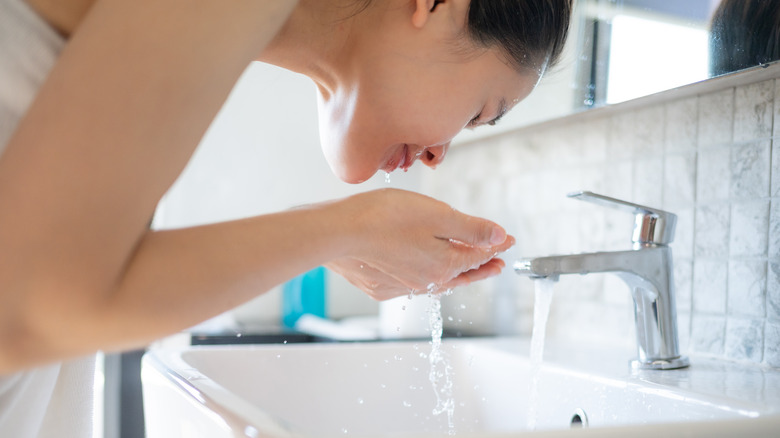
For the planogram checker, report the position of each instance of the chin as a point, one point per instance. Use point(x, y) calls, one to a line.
point(350, 176)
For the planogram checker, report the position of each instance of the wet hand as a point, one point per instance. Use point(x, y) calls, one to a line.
point(402, 241)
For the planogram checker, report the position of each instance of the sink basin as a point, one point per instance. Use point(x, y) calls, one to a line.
point(383, 389)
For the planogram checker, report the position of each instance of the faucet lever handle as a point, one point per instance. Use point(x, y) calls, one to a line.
point(652, 226)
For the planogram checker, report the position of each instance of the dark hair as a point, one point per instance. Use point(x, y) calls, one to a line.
point(531, 33)
point(744, 33)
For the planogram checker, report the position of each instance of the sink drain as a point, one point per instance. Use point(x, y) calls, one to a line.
point(579, 419)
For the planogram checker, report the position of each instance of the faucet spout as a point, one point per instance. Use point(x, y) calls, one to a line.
point(639, 263)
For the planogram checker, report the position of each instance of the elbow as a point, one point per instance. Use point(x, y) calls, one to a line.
point(17, 345)
point(36, 330)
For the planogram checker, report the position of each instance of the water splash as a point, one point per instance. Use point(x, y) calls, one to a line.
point(542, 298)
point(441, 373)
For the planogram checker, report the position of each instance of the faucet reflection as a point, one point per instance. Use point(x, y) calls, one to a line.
point(647, 269)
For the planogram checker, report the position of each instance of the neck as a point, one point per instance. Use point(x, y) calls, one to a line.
point(315, 40)
point(62, 15)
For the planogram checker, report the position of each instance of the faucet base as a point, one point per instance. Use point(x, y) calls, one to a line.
point(661, 364)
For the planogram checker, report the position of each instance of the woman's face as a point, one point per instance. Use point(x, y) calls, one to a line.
point(405, 94)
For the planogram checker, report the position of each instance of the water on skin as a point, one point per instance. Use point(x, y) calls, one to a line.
point(542, 297)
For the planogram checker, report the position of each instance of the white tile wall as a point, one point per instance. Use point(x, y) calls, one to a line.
point(708, 334)
point(713, 175)
point(712, 230)
point(747, 288)
point(773, 291)
point(750, 170)
point(772, 343)
point(744, 339)
point(753, 111)
point(710, 281)
point(749, 228)
point(774, 229)
point(681, 128)
point(716, 118)
point(710, 155)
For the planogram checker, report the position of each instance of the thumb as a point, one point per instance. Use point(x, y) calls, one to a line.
point(473, 231)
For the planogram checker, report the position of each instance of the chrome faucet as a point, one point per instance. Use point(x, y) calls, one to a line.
point(646, 269)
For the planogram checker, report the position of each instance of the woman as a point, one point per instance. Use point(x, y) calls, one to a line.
point(122, 109)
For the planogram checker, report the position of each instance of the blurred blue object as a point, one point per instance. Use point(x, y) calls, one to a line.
point(304, 294)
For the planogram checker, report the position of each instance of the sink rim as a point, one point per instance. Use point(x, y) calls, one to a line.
point(234, 409)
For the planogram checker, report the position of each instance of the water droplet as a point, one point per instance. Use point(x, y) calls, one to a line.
point(284, 342)
point(449, 318)
point(407, 404)
point(238, 335)
point(360, 401)
point(462, 306)
point(344, 430)
point(278, 356)
point(387, 177)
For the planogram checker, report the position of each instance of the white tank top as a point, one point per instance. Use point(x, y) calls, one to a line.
point(55, 400)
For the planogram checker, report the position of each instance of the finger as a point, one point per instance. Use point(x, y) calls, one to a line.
point(472, 230)
point(491, 268)
point(469, 257)
point(508, 242)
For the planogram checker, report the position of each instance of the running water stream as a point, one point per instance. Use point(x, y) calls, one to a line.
point(441, 369)
point(542, 298)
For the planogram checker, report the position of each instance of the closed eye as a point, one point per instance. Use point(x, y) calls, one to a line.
point(501, 112)
point(474, 122)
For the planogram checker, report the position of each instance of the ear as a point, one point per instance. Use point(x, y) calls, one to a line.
point(422, 10)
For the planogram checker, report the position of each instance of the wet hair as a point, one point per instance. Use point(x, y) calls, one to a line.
point(744, 33)
point(531, 33)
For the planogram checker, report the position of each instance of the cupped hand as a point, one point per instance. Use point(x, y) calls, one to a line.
point(402, 241)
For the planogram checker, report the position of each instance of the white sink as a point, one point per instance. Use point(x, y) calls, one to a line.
point(382, 389)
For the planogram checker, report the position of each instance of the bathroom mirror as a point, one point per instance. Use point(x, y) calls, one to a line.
point(620, 50)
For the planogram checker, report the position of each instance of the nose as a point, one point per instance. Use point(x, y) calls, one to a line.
point(434, 155)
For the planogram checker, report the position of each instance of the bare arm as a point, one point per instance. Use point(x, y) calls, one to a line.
point(111, 129)
point(115, 123)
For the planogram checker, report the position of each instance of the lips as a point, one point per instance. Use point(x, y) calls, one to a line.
point(400, 159)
